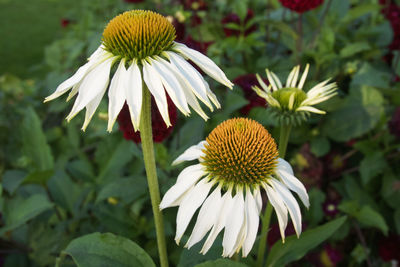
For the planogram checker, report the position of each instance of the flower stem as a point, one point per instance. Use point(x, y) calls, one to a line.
point(150, 165)
point(264, 234)
point(283, 142)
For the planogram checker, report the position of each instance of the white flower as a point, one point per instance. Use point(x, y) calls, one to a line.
point(142, 43)
point(290, 100)
point(238, 159)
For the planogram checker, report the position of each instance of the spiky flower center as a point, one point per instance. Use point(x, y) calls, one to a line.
point(240, 152)
point(284, 97)
point(138, 34)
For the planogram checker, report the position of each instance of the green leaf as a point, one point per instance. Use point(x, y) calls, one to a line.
point(107, 250)
point(127, 189)
point(371, 166)
point(221, 263)
point(34, 141)
point(360, 10)
point(369, 75)
point(38, 177)
point(354, 48)
point(396, 216)
point(370, 217)
point(20, 211)
point(12, 179)
point(294, 249)
point(320, 146)
point(365, 105)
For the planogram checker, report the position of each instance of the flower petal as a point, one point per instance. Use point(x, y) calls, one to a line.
point(206, 64)
point(271, 80)
point(91, 108)
point(280, 209)
point(192, 153)
point(187, 178)
point(189, 205)
point(92, 85)
point(290, 202)
point(134, 92)
point(295, 185)
point(116, 94)
point(173, 87)
point(252, 218)
point(156, 88)
point(284, 165)
point(207, 216)
point(257, 196)
point(295, 77)
point(262, 83)
point(310, 109)
point(303, 77)
point(233, 224)
point(226, 206)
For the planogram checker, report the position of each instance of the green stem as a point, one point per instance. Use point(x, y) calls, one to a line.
point(150, 165)
point(264, 234)
point(283, 142)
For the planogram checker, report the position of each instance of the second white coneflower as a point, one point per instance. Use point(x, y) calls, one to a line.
point(236, 161)
point(142, 43)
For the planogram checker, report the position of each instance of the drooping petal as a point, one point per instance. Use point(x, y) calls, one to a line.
point(252, 218)
point(187, 178)
point(295, 185)
point(189, 205)
point(116, 94)
point(134, 93)
point(310, 109)
point(91, 108)
point(283, 164)
point(192, 153)
point(226, 206)
point(279, 207)
point(234, 224)
point(156, 88)
point(207, 216)
point(191, 77)
point(257, 196)
point(92, 85)
point(206, 64)
point(290, 202)
point(171, 84)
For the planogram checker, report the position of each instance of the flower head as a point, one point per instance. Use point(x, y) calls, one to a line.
point(236, 161)
point(290, 103)
point(301, 6)
point(143, 44)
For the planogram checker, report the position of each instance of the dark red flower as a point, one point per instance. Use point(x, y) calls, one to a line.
point(334, 164)
point(389, 248)
point(392, 13)
point(301, 6)
point(234, 18)
point(330, 256)
point(394, 123)
point(179, 29)
point(134, 1)
point(64, 22)
point(245, 82)
point(308, 167)
point(160, 129)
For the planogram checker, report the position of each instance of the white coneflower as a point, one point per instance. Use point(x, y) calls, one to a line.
point(143, 44)
point(237, 160)
point(291, 103)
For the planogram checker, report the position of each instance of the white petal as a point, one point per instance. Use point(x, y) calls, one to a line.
point(156, 88)
point(295, 185)
point(317, 88)
point(252, 215)
point(262, 83)
point(284, 165)
point(303, 77)
point(207, 217)
point(290, 202)
point(192, 153)
point(78, 76)
point(190, 76)
point(92, 85)
point(277, 81)
point(206, 64)
point(226, 206)
point(291, 101)
point(134, 92)
point(272, 80)
point(280, 209)
point(290, 77)
point(187, 178)
point(116, 94)
point(189, 205)
point(173, 87)
point(91, 108)
point(234, 224)
point(257, 196)
point(295, 77)
point(310, 109)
